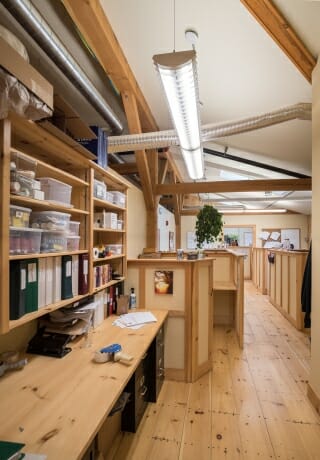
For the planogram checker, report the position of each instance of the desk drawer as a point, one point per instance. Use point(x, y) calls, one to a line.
point(138, 401)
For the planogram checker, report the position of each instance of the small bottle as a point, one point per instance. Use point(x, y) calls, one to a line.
point(132, 300)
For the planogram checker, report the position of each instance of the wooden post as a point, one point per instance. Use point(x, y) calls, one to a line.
point(5, 141)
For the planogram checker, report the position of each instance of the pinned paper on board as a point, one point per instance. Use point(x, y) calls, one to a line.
point(264, 235)
point(274, 236)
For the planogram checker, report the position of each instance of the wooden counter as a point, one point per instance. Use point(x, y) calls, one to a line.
point(57, 406)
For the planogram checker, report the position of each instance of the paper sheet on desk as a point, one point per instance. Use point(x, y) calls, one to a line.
point(135, 320)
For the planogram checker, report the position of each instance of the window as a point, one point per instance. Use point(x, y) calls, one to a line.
point(239, 235)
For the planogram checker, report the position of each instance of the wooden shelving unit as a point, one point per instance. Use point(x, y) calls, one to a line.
point(69, 163)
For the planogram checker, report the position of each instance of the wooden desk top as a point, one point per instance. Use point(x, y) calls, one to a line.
point(56, 406)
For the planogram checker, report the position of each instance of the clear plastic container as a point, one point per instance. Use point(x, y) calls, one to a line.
point(73, 243)
point(119, 199)
point(50, 220)
point(99, 189)
point(109, 197)
point(19, 217)
point(120, 224)
point(53, 241)
point(74, 228)
point(115, 249)
point(24, 240)
point(56, 191)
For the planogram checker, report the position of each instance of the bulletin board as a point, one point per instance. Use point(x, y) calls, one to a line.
point(293, 234)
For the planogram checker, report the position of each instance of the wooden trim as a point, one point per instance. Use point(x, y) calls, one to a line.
point(142, 287)
point(125, 168)
point(176, 314)
point(175, 374)
point(5, 140)
point(314, 399)
point(260, 185)
point(283, 34)
point(93, 24)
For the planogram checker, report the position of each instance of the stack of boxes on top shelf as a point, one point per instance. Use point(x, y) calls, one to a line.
point(44, 280)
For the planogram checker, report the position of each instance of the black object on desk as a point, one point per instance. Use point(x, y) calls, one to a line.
point(49, 344)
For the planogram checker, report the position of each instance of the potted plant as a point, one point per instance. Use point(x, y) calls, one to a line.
point(209, 225)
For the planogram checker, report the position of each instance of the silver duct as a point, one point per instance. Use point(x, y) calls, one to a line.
point(28, 16)
point(169, 138)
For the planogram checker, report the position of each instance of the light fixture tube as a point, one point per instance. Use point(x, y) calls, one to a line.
point(253, 211)
point(178, 75)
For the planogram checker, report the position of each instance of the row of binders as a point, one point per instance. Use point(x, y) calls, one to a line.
point(35, 283)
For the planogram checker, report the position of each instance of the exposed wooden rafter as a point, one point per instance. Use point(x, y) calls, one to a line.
point(261, 185)
point(125, 168)
point(93, 24)
point(130, 106)
point(282, 33)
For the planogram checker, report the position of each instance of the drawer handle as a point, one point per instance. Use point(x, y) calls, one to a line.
point(142, 381)
point(144, 356)
point(144, 390)
point(160, 344)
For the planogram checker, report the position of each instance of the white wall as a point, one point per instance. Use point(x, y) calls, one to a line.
point(166, 224)
point(315, 320)
point(260, 221)
point(136, 223)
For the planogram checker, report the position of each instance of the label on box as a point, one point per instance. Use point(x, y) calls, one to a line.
point(23, 279)
point(69, 268)
point(85, 267)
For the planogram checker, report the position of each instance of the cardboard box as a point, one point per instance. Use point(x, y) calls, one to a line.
point(13, 63)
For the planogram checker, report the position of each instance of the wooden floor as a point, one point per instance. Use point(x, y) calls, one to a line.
point(253, 404)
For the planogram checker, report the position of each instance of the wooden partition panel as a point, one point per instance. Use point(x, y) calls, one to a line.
point(286, 275)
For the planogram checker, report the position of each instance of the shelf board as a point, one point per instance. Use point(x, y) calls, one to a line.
point(44, 310)
point(110, 283)
point(43, 204)
point(113, 178)
point(108, 230)
point(107, 204)
point(47, 254)
point(105, 259)
point(46, 170)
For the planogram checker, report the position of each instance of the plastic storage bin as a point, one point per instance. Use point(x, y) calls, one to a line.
point(120, 224)
point(19, 217)
point(115, 249)
point(74, 228)
point(24, 240)
point(99, 189)
point(50, 220)
point(53, 241)
point(119, 199)
point(73, 243)
point(56, 191)
point(105, 220)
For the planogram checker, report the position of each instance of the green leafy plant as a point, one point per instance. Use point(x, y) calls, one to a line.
point(208, 226)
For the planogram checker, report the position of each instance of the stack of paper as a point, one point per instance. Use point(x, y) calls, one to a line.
point(135, 320)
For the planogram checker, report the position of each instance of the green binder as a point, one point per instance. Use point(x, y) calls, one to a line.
point(18, 288)
point(32, 286)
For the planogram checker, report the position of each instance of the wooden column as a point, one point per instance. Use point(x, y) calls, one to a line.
point(152, 228)
point(5, 140)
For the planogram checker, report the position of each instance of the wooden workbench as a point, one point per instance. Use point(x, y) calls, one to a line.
point(57, 406)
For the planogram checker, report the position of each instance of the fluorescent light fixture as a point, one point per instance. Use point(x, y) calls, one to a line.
point(253, 211)
point(178, 75)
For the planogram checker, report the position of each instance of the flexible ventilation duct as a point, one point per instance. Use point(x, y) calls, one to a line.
point(168, 138)
point(31, 20)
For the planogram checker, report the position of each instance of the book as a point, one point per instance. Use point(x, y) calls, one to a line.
point(56, 279)
point(66, 277)
point(41, 283)
point(75, 275)
point(83, 273)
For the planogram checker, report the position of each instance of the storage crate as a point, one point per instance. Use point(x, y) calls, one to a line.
point(24, 240)
point(50, 220)
point(19, 217)
point(115, 249)
point(73, 243)
point(74, 228)
point(99, 189)
point(120, 224)
point(53, 241)
point(119, 199)
point(56, 191)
